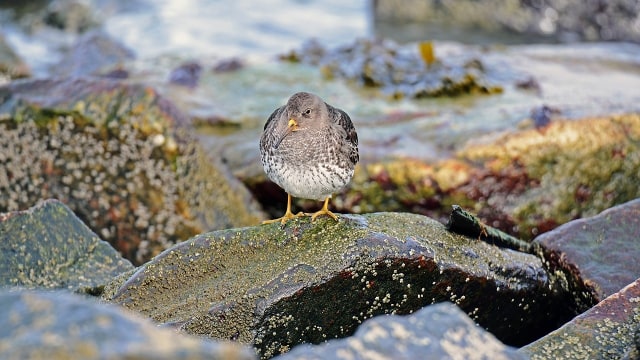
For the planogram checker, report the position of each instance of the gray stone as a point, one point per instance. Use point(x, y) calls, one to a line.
point(48, 247)
point(59, 325)
point(94, 53)
point(559, 19)
point(310, 282)
point(597, 255)
point(438, 331)
point(609, 330)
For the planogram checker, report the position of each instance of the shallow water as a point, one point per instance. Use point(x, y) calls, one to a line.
point(236, 28)
point(195, 28)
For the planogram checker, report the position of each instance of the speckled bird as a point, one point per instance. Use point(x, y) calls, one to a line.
point(310, 149)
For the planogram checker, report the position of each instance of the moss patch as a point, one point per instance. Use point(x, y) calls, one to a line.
point(309, 282)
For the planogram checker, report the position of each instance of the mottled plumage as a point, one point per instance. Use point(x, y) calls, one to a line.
point(310, 149)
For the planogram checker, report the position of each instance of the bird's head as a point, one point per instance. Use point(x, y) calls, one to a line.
point(303, 111)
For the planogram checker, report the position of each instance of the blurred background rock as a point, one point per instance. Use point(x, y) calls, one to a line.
point(485, 21)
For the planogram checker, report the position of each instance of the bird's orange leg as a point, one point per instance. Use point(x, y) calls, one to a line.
point(324, 211)
point(288, 215)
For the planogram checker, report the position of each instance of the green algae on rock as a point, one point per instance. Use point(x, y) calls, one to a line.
point(58, 325)
point(275, 288)
point(442, 331)
point(398, 71)
point(48, 247)
point(540, 179)
point(609, 330)
point(405, 185)
point(118, 156)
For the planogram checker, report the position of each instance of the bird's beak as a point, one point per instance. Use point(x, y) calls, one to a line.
point(291, 127)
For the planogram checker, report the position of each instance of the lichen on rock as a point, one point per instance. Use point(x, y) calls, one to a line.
point(118, 157)
point(542, 178)
point(310, 282)
point(48, 247)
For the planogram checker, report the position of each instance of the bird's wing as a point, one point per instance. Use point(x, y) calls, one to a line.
point(273, 117)
point(343, 119)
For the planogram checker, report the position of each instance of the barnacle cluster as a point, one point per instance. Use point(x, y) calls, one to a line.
point(121, 166)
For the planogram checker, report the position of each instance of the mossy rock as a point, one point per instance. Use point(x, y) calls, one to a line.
point(541, 178)
point(312, 281)
point(48, 247)
point(121, 158)
point(609, 330)
point(399, 71)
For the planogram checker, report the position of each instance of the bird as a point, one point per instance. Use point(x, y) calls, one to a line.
point(310, 149)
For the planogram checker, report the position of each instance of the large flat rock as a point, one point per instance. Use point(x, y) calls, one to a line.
point(310, 282)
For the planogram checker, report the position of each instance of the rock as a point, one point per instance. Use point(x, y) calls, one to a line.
point(94, 53)
point(398, 72)
point(597, 255)
point(583, 20)
point(310, 282)
point(187, 74)
point(228, 65)
point(58, 325)
point(523, 182)
point(48, 247)
point(532, 181)
point(442, 331)
point(121, 157)
point(609, 330)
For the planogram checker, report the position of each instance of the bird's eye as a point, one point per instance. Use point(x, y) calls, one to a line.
point(307, 112)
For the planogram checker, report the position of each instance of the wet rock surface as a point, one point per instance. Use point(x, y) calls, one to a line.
point(553, 19)
point(535, 180)
point(610, 330)
point(48, 247)
point(119, 156)
point(94, 53)
point(598, 255)
point(442, 331)
point(399, 71)
point(310, 282)
point(59, 325)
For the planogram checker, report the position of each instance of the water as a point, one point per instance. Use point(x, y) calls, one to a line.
point(194, 28)
point(236, 28)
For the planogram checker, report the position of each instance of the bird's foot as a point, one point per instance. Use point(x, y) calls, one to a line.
point(322, 212)
point(286, 217)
